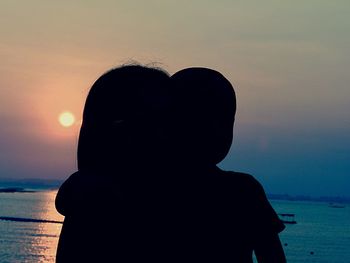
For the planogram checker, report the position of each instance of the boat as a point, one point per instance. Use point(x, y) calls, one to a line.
point(336, 205)
point(287, 218)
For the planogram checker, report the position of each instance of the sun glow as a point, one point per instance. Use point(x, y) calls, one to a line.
point(66, 119)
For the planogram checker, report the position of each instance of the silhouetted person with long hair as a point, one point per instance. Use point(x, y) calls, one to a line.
point(120, 156)
point(220, 216)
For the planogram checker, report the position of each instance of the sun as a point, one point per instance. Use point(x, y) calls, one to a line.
point(66, 119)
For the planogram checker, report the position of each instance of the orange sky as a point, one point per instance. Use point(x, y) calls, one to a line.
point(288, 61)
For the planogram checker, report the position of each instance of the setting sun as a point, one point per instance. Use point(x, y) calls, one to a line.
point(66, 119)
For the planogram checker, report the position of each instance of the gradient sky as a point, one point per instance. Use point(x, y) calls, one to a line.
point(288, 60)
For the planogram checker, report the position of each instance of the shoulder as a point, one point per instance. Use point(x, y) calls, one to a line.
point(65, 193)
point(243, 186)
point(245, 180)
point(252, 193)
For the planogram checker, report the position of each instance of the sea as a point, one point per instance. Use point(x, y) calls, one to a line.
point(321, 233)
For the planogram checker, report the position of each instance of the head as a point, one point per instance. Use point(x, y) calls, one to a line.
point(122, 119)
point(205, 112)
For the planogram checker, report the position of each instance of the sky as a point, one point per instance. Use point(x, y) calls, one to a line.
point(288, 61)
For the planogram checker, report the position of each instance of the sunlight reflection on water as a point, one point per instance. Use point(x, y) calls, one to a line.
point(48, 233)
point(27, 241)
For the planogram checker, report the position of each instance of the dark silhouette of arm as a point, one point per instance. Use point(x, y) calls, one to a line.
point(269, 250)
point(267, 245)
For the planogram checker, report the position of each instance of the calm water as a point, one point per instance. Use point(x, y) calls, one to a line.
point(320, 229)
point(28, 242)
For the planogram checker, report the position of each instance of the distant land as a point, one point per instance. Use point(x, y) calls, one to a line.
point(28, 185)
point(10, 185)
point(329, 199)
point(15, 190)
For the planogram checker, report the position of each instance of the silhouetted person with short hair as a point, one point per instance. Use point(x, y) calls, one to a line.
point(120, 157)
point(220, 216)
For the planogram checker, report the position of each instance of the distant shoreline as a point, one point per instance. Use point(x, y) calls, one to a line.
point(11, 190)
point(284, 197)
point(9, 185)
point(323, 199)
point(16, 190)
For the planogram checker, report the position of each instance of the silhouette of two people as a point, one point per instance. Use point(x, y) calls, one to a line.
point(148, 186)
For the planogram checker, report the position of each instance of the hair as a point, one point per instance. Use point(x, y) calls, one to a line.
point(118, 105)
